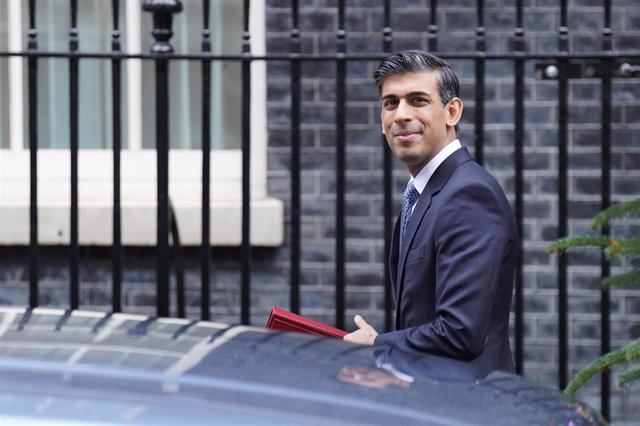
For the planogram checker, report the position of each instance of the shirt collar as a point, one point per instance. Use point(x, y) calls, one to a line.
point(423, 176)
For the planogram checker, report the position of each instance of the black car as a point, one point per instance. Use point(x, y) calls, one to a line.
point(89, 368)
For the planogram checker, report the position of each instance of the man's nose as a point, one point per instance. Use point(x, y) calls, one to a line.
point(403, 111)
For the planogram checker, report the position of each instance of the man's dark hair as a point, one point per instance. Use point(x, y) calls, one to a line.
point(420, 61)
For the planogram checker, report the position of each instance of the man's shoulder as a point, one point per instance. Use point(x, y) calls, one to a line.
point(471, 172)
point(471, 176)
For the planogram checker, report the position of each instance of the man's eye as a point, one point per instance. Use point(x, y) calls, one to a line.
point(389, 103)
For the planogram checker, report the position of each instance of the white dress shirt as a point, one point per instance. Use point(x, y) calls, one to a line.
point(423, 176)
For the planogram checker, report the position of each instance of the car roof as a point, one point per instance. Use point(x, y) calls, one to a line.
point(82, 367)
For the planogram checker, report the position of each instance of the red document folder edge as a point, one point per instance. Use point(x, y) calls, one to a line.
point(280, 319)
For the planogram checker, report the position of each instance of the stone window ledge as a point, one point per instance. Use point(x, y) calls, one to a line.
point(138, 198)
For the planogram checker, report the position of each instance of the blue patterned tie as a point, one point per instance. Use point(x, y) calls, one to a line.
point(409, 198)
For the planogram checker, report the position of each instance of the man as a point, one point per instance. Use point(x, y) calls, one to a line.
point(454, 246)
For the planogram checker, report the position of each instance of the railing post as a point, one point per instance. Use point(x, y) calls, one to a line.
point(34, 252)
point(162, 11)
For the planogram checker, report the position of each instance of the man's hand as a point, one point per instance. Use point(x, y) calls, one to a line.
point(365, 335)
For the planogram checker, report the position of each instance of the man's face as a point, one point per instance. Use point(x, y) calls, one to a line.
point(414, 121)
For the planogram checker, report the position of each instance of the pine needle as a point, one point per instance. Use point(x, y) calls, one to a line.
point(580, 241)
point(626, 280)
point(616, 211)
point(631, 375)
point(629, 353)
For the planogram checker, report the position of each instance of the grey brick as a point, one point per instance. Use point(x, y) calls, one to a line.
point(632, 21)
point(456, 43)
point(584, 42)
point(586, 137)
point(279, 21)
point(455, 20)
point(585, 185)
point(539, 21)
point(580, 20)
point(538, 304)
point(541, 353)
point(583, 209)
point(278, 69)
point(369, 277)
point(358, 19)
point(318, 69)
point(547, 280)
point(626, 138)
point(584, 90)
point(317, 21)
point(317, 252)
point(318, 115)
point(627, 42)
point(584, 161)
point(584, 304)
point(358, 115)
point(547, 329)
point(583, 353)
point(626, 185)
point(625, 91)
point(538, 209)
point(278, 114)
point(632, 113)
point(536, 256)
point(369, 43)
point(585, 330)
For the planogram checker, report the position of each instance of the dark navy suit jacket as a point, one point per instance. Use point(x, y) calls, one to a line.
point(453, 279)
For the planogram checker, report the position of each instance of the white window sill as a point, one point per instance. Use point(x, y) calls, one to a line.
point(138, 198)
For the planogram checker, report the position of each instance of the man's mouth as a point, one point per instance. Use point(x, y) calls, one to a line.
point(405, 135)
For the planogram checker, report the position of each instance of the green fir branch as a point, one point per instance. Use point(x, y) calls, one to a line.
point(581, 241)
point(626, 280)
point(628, 247)
point(614, 212)
point(629, 376)
point(629, 353)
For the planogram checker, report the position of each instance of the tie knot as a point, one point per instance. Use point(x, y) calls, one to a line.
point(411, 194)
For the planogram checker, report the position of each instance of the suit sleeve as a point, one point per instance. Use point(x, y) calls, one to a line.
point(471, 236)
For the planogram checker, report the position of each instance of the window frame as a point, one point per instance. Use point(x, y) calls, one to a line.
point(138, 171)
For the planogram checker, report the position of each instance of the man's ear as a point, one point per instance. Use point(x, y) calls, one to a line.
point(382, 125)
point(454, 111)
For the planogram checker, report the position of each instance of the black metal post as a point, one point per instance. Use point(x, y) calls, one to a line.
point(116, 249)
point(341, 71)
point(74, 251)
point(519, 186)
point(563, 139)
point(433, 26)
point(605, 301)
point(33, 158)
point(163, 11)
point(205, 252)
point(295, 160)
point(246, 170)
point(178, 258)
point(480, 75)
point(387, 43)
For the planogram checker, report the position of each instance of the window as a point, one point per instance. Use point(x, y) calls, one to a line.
point(138, 156)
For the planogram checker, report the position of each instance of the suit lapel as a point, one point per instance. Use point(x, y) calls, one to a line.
point(393, 257)
point(435, 184)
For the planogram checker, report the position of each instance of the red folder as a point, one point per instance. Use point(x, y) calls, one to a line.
point(280, 319)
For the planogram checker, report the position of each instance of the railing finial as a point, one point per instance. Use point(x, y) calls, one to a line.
point(163, 11)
